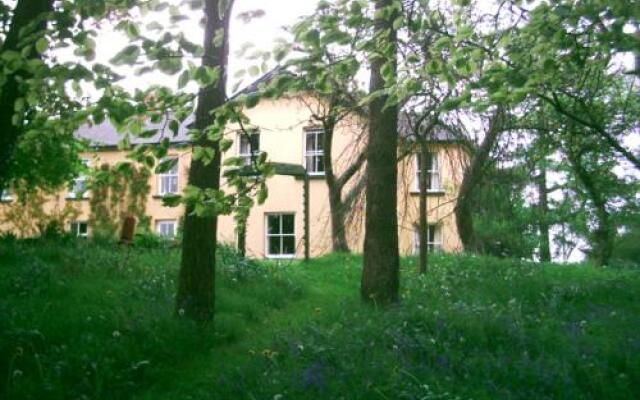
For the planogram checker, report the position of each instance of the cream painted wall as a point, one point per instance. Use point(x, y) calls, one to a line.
point(281, 124)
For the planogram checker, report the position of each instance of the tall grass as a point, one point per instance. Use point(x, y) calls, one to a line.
point(79, 320)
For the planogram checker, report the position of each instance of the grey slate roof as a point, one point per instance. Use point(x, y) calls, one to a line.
point(439, 134)
point(255, 86)
point(106, 135)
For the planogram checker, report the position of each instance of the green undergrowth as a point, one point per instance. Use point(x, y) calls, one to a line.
point(81, 320)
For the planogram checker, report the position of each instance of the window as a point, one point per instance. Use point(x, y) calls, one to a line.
point(166, 228)
point(79, 229)
point(281, 239)
point(249, 148)
point(78, 189)
point(6, 195)
point(434, 239)
point(314, 152)
point(168, 180)
point(433, 172)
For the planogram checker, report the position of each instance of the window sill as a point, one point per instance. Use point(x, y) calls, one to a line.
point(440, 192)
point(280, 257)
point(84, 198)
point(163, 196)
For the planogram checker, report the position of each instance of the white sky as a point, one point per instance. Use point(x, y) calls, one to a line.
point(262, 32)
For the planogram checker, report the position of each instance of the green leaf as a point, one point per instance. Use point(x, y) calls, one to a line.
point(171, 200)
point(127, 56)
point(254, 70)
point(184, 79)
point(165, 165)
point(398, 23)
point(203, 154)
point(132, 30)
point(174, 126)
point(42, 45)
point(170, 66)
point(252, 100)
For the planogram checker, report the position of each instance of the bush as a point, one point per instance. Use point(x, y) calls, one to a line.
point(235, 264)
point(149, 240)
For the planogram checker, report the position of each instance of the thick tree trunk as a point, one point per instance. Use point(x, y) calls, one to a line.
point(380, 274)
point(25, 13)
point(336, 206)
point(196, 281)
point(472, 177)
point(543, 210)
point(337, 209)
point(424, 227)
point(242, 241)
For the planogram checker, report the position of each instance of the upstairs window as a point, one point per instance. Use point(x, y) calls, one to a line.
point(434, 239)
point(167, 228)
point(281, 238)
point(314, 151)
point(79, 229)
point(433, 172)
point(78, 189)
point(168, 180)
point(249, 148)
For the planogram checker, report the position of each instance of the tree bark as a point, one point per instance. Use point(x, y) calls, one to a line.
point(424, 227)
point(196, 281)
point(24, 13)
point(543, 214)
point(380, 274)
point(336, 206)
point(472, 176)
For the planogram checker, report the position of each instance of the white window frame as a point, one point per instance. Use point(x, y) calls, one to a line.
point(434, 174)
point(314, 153)
point(73, 193)
point(253, 153)
point(6, 195)
point(434, 245)
point(169, 175)
point(74, 228)
point(280, 234)
point(162, 222)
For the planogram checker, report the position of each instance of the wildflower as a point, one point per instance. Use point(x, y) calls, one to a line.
point(116, 334)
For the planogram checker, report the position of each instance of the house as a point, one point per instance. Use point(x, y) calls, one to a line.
point(284, 129)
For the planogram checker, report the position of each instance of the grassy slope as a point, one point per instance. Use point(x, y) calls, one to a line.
point(82, 320)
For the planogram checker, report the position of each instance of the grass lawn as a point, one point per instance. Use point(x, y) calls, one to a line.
point(83, 321)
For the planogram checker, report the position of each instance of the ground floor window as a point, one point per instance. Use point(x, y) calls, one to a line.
point(434, 239)
point(79, 229)
point(281, 238)
point(167, 228)
point(6, 195)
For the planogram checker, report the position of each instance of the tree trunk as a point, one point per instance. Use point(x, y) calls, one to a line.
point(472, 177)
point(336, 206)
point(380, 274)
point(337, 209)
point(25, 12)
point(603, 235)
point(543, 210)
point(424, 227)
point(196, 281)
